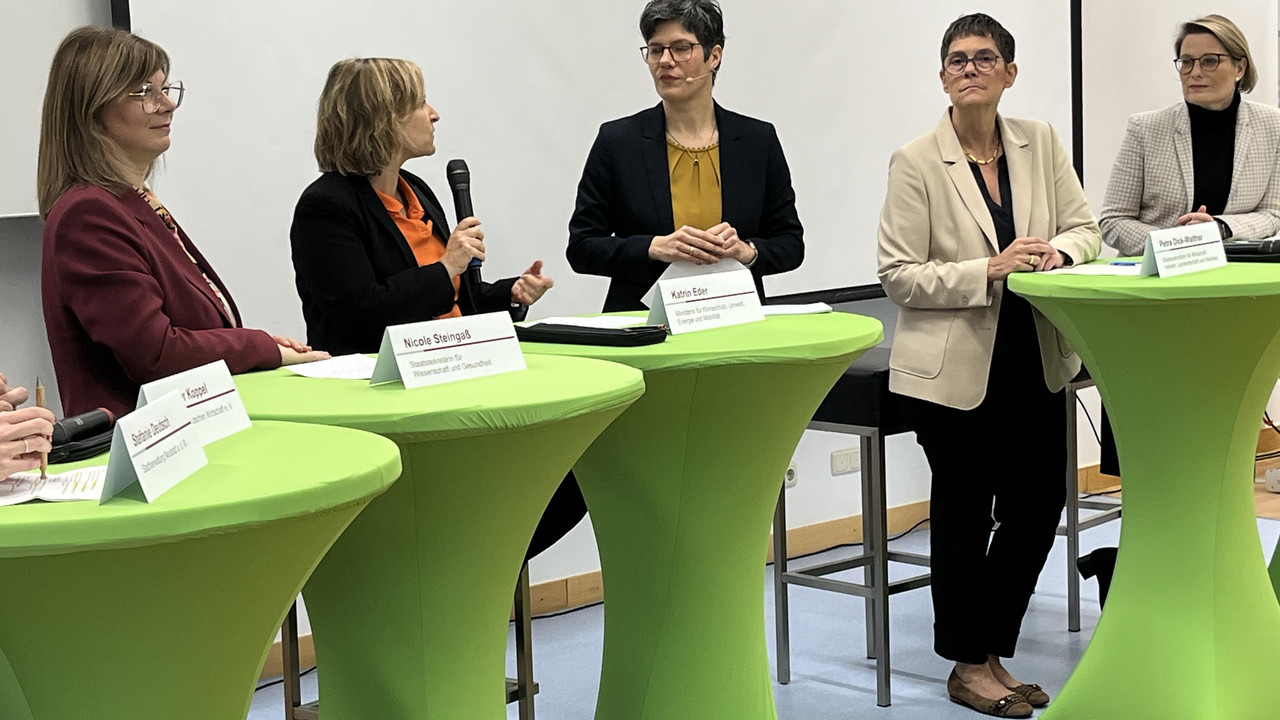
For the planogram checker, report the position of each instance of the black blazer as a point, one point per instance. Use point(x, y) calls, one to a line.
point(356, 274)
point(624, 200)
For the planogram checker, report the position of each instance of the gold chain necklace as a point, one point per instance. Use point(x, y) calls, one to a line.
point(988, 161)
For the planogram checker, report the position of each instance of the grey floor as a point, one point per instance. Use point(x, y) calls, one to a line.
point(830, 676)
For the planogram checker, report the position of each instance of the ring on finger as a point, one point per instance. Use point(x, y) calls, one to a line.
point(1031, 260)
point(688, 249)
point(26, 446)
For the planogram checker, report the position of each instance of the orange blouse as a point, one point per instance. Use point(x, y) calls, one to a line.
point(426, 245)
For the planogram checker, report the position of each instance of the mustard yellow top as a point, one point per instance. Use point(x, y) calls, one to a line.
point(695, 184)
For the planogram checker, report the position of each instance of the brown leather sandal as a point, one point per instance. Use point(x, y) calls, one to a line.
point(1012, 705)
point(1035, 695)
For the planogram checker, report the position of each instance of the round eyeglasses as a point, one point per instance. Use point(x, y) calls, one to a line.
point(1208, 63)
point(151, 95)
point(984, 61)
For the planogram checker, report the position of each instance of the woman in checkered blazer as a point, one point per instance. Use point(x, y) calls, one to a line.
point(1212, 158)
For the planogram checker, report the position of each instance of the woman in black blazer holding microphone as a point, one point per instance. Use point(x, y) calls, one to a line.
point(686, 180)
point(371, 244)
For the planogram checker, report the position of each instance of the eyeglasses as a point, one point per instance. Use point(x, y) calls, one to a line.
point(151, 95)
point(680, 52)
point(1208, 63)
point(984, 61)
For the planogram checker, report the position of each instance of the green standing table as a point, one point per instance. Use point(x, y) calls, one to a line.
point(410, 608)
point(682, 489)
point(135, 611)
point(1185, 365)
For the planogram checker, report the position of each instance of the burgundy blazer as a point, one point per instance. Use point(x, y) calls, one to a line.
point(124, 305)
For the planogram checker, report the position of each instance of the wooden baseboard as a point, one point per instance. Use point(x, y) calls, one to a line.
point(274, 667)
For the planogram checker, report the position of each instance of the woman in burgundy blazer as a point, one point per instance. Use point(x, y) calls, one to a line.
point(128, 298)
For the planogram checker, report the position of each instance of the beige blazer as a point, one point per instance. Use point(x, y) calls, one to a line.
point(936, 235)
point(1153, 179)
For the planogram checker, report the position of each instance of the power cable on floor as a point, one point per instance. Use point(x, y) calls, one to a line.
point(266, 685)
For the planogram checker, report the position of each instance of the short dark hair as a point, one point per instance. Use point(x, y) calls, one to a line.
point(979, 25)
point(700, 17)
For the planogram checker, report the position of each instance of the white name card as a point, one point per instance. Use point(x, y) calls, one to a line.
point(441, 351)
point(211, 395)
point(156, 446)
point(1184, 249)
point(701, 302)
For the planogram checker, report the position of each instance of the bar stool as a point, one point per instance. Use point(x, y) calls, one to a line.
point(1109, 507)
point(859, 404)
point(520, 689)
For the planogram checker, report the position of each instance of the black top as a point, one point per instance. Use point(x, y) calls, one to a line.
point(1016, 355)
point(624, 200)
point(356, 274)
point(1213, 153)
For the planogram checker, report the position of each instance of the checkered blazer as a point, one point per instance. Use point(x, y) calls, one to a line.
point(1152, 182)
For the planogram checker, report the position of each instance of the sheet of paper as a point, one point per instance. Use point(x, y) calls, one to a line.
point(82, 484)
point(604, 321)
point(806, 309)
point(343, 367)
point(1091, 269)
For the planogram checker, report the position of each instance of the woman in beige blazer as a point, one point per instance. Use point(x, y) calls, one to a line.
point(978, 198)
point(1210, 158)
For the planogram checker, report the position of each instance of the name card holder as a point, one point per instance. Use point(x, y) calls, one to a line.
point(441, 351)
point(156, 446)
point(211, 395)
point(701, 302)
point(1184, 249)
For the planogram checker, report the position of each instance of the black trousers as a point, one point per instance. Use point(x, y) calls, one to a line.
point(563, 513)
point(1003, 462)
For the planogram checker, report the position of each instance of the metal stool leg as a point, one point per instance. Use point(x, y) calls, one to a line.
point(524, 646)
point(876, 539)
point(289, 660)
point(781, 610)
point(1073, 515)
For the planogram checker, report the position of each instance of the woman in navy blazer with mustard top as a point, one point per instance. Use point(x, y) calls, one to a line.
point(686, 180)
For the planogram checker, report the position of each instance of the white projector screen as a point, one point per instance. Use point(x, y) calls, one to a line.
point(522, 88)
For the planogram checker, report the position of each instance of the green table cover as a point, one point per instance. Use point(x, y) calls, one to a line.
point(1185, 366)
point(682, 489)
point(410, 608)
point(135, 611)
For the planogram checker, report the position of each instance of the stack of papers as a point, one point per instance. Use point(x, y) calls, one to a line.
point(82, 484)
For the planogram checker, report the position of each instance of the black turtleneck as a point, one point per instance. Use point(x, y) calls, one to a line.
point(1213, 152)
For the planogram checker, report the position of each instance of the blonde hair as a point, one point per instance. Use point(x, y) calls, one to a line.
point(92, 68)
point(362, 107)
point(1233, 41)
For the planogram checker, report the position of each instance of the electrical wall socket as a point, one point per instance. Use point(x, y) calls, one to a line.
point(789, 480)
point(846, 461)
point(1273, 480)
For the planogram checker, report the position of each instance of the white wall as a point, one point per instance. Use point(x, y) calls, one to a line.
point(29, 33)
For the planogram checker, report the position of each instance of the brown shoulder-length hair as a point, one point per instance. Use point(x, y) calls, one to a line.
point(92, 68)
point(363, 104)
point(1232, 40)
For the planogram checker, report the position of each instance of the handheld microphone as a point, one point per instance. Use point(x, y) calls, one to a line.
point(698, 77)
point(82, 426)
point(459, 176)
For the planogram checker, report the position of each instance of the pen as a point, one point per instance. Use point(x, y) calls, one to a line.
point(1123, 262)
point(44, 457)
